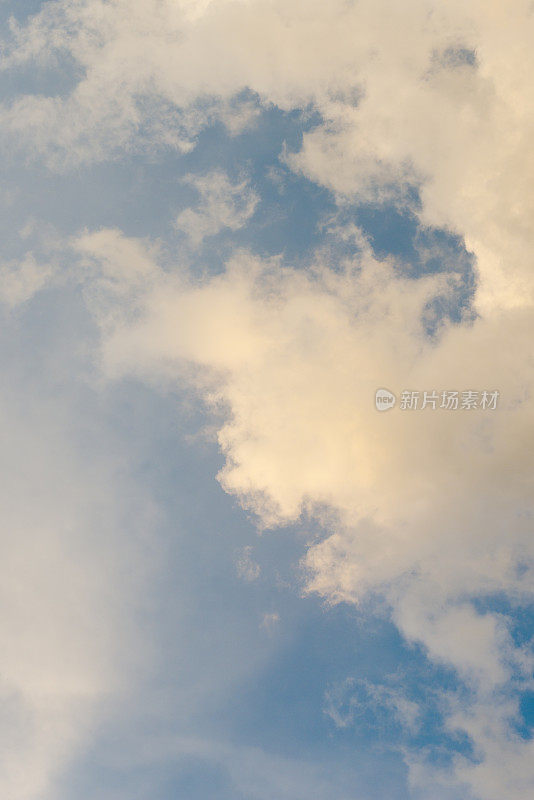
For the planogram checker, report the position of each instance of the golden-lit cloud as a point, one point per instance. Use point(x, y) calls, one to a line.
point(428, 509)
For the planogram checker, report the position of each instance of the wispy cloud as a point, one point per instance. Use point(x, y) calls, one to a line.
point(222, 204)
point(67, 600)
point(21, 280)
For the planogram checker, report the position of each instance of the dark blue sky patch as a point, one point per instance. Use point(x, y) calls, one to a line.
point(526, 709)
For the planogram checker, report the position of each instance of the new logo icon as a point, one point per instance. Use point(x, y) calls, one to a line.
point(384, 400)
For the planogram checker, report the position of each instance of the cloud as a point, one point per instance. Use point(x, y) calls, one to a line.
point(431, 510)
point(21, 280)
point(345, 700)
point(270, 621)
point(247, 568)
point(70, 555)
point(422, 94)
point(251, 771)
point(223, 204)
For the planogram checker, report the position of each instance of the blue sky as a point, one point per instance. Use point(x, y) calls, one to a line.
point(226, 575)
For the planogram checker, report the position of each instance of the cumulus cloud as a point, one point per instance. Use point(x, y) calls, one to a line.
point(425, 94)
point(429, 510)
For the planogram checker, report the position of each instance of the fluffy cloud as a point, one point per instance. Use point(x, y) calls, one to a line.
point(419, 93)
point(431, 510)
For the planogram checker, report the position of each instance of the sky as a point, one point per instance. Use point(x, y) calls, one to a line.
point(226, 574)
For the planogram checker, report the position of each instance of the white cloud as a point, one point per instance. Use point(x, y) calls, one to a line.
point(430, 509)
point(21, 280)
point(71, 565)
point(223, 204)
point(247, 568)
point(400, 100)
point(351, 697)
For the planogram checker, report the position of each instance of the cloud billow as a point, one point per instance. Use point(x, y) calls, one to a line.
point(430, 511)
